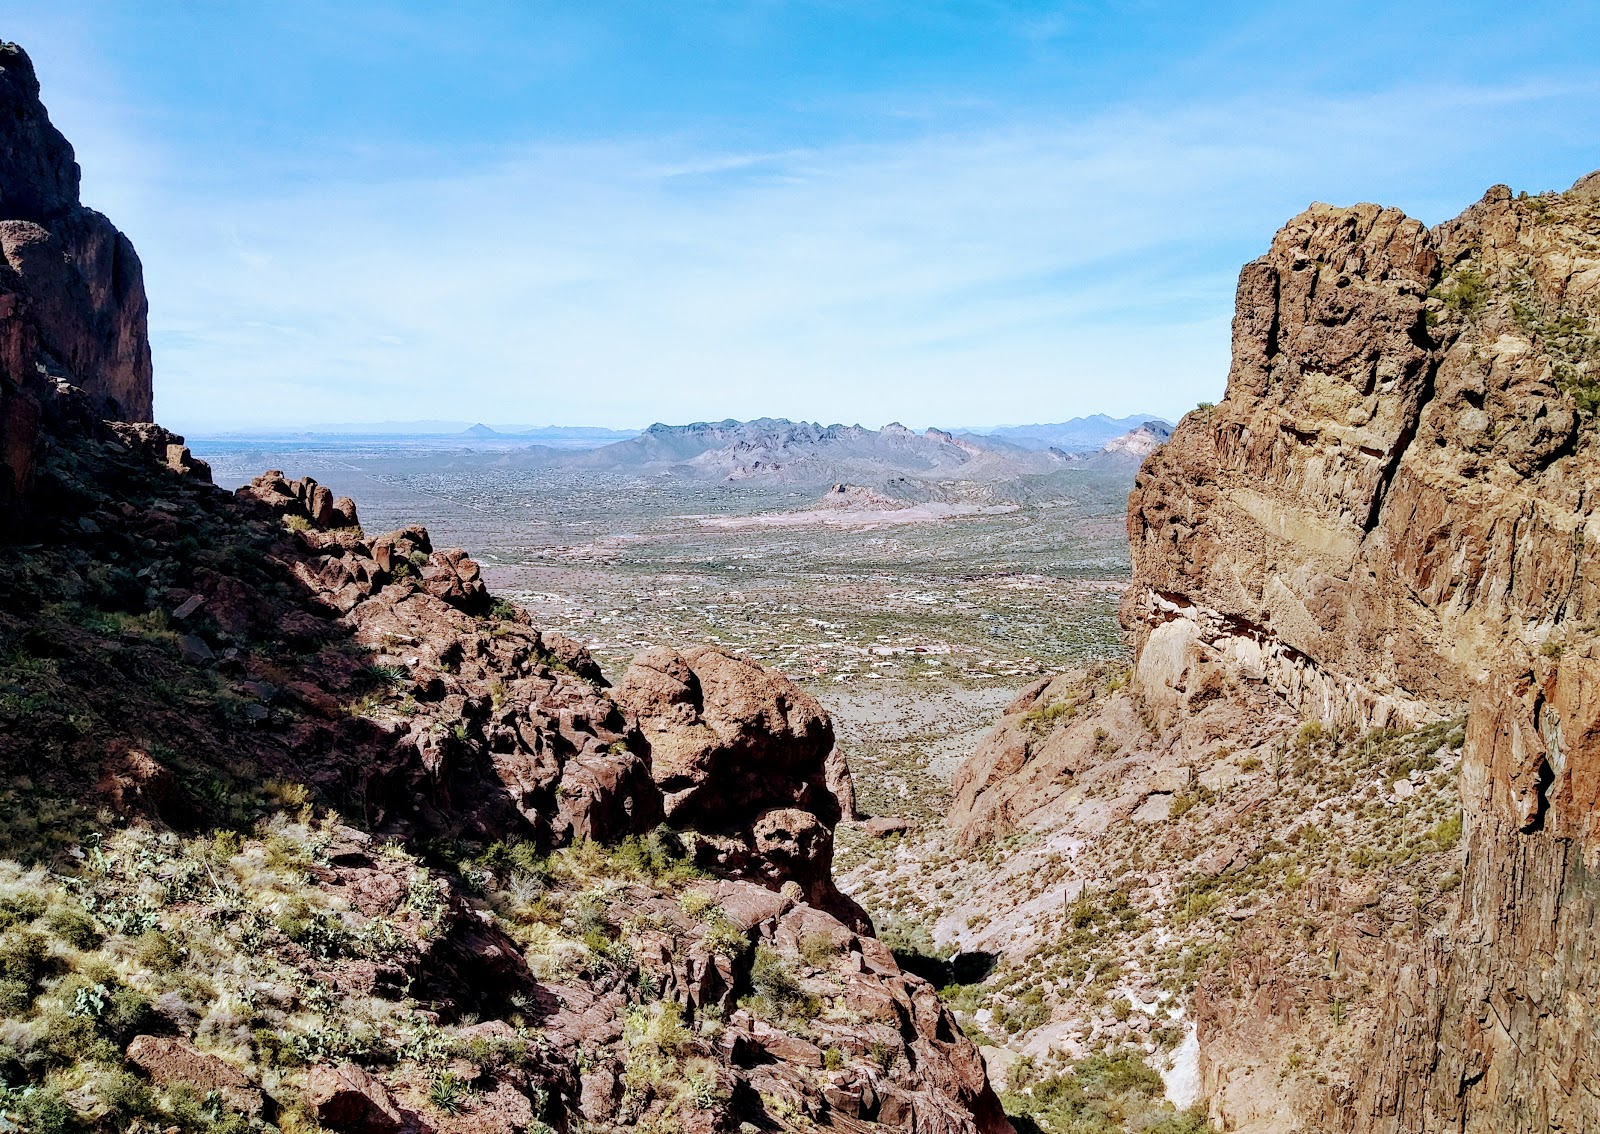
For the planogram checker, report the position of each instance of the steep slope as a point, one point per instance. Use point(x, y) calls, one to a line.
point(302, 829)
point(1383, 524)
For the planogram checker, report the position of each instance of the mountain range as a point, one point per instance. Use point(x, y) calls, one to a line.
point(777, 450)
point(1076, 435)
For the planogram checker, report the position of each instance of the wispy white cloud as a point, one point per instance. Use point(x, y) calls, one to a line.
point(1025, 271)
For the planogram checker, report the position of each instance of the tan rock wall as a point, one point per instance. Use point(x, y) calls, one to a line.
point(1389, 516)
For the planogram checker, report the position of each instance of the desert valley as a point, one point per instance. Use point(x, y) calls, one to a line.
point(1111, 776)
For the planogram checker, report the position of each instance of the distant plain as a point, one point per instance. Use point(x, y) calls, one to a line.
point(912, 634)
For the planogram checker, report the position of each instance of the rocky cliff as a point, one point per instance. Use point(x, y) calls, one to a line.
point(1384, 523)
point(72, 302)
point(302, 828)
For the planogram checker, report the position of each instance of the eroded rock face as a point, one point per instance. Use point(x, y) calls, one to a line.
point(1489, 1027)
point(1384, 522)
point(1390, 490)
point(72, 300)
point(1386, 518)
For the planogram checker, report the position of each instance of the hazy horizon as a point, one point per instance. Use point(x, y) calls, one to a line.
point(1010, 211)
point(435, 427)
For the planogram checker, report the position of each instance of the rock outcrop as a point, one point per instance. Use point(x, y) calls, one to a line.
point(1387, 518)
point(742, 754)
point(289, 652)
point(1139, 443)
point(431, 872)
point(72, 301)
point(1385, 522)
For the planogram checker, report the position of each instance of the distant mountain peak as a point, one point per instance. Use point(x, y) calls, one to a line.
point(1076, 435)
point(1141, 441)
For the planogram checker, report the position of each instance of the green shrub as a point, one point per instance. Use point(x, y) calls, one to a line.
point(776, 989)
point(1041, 718)
point(75, 927)
point(818, 950)
point(24, 958)
point(660, 856)
point(127, 1099)
point(1448, 833)
point(42, 1110)
point(447, 1092)
point(1026, 1013)
point(70, 1038)
point(1120, 1072)
point(20, 909)
point(318, 933)
point(1105, 1093)
point(723, 937)
point(388, 677)
point(157, 951)
point(1191, 1121)
point(1464, 292)
point(16, 998)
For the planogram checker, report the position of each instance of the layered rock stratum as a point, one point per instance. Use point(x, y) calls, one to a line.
point(1385, 523)
point(302, 827)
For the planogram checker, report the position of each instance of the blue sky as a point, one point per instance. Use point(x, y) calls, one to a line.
point(853, 210)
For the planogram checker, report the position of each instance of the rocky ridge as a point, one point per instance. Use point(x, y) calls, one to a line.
point(775, 450)
point(305, 829)
point(1382, 525)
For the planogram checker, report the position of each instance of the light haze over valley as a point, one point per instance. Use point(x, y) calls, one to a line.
point(776, 566)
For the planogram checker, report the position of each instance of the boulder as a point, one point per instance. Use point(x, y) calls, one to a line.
point(742, 753)
point(882, 826)
point(453, 576)
point(171, 1063)
point(727, 739)
point(347, 1099)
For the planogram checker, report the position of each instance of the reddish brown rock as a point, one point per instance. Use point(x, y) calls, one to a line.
point(842, 784)
point(133, 783)
point(882, 826)
point(19, 440)
point(1384, 521)
point(171, 1063)
point(728, 739)
point(741, 753)
point(344, 513)
point(347, 1099)
point(453, 576)
point(72, 276)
